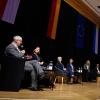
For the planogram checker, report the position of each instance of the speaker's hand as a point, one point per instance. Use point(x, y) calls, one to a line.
point(23, 51)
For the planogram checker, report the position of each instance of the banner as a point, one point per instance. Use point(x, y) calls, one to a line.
point(95, 39)
point(80, 32)
point(53, 20)
point(8, 10)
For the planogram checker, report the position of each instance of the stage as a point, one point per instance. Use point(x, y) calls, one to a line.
point(84, 91)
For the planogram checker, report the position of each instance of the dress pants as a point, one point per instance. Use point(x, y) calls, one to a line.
point(36, 72)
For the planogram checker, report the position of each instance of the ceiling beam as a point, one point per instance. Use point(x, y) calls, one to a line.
point(84, 10)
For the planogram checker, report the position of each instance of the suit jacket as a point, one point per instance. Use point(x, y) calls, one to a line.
point(60, 66)
point(69, 68)
point(59, 69)
point(13, 51)
point(36, 57)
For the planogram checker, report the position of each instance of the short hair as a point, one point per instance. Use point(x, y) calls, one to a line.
point(59, 58)
point(17, 37)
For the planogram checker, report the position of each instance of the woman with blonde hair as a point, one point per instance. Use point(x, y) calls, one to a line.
point(86, 71)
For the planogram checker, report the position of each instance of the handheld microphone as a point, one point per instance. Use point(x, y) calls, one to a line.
point(21, 47)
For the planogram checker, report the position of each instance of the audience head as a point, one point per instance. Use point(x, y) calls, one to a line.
point(59, 59)
point(18, 40)
point(37, 50)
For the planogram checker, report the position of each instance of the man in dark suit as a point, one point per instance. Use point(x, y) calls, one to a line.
point(30, 65)
point(35, 55)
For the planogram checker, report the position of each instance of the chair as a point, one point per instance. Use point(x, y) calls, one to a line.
point(60, 76)
point(59, 79)
point(26, 81)
point(12, 72)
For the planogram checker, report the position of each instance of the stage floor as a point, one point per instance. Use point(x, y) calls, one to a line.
point(85, 91)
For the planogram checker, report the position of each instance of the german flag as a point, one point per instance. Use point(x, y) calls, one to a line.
point(53, 20)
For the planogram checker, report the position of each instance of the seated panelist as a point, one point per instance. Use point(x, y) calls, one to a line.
point(59, 68)
point(35, 55)
point(70, 70)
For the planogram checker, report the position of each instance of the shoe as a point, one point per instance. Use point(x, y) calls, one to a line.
point(34, 89)
point(52, 86)
point(39, 89)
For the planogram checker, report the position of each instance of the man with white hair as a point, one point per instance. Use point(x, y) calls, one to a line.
point(59, 68)
point(31, 65)
point(13, 50)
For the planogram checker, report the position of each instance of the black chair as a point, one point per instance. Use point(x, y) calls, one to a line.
point(12, 73)
point(26, 81)
point(60, 75)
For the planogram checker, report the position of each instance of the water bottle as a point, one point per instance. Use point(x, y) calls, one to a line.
point(79, 69)
point(50, 66)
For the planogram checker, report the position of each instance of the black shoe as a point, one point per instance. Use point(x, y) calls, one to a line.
point(52, 86)
point(34, 89)
point(39, 89)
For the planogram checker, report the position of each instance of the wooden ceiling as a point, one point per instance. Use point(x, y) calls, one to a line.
point(94, 5)
point(85, 10)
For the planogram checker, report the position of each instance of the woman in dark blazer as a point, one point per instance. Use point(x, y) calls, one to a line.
point(59, 68)
point(70, 70)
